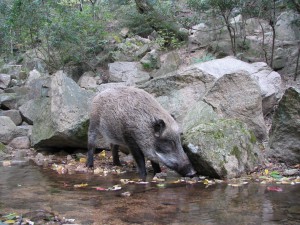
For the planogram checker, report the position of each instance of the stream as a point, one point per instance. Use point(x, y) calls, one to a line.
point(27, 187)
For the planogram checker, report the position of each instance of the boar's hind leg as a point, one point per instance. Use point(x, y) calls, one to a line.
point(91, 149)
point(156, 167)
point(115, 155)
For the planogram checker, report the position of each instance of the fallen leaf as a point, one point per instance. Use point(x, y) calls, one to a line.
point(219, 181)
point(82, 160)
point(297, 180)
point(9, 221)
point(176, 182)
point(235, 185)
point(80, 185)
point(126, 194)
point(125, 181)
point(276, 189)
point(61, 169)
point(142, 182)
point(266, 172)
point(156, 179)
point(102, 154)
point(100, 189)
point(114, 188)
point(276, 176)
point(191, 181)
point(161, 185)
point(98, 170)
point(10, 216)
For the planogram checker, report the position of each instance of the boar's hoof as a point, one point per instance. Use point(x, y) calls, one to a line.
point(89, 164)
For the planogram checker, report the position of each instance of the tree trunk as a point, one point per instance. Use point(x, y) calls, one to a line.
point(272, 24)
point(297, 64)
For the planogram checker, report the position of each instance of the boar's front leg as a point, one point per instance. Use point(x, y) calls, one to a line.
point(140, 161)
point(115, 155)
point(156, 167)
point(138, 156)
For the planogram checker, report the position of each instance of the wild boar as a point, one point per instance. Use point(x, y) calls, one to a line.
point(130, 117)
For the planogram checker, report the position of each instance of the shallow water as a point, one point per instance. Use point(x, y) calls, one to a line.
point(26, 187)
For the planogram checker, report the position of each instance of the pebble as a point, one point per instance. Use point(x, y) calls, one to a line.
point(290, 172)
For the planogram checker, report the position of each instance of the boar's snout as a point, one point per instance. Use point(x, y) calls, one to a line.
point(187, 171)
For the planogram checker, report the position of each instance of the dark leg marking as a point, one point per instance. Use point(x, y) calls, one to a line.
point(115, 155)
point(156, 167)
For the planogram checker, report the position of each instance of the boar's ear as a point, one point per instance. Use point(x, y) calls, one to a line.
point(159, 126)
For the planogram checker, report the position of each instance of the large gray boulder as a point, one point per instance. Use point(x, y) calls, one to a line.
point(286, 26)
point(285, 130)
point(9, 130)
point(219, 148)
point(200, 35)
point(131, 72)
point(9, 100)
point(4, 80)
point(234, 88)
point(179, 90)
point(33, 75)
point(14, 115)
point(237, 95)
point(14, 97)
point(268, 80)
point(88, 80)
point(60, 118)
point(169, 62)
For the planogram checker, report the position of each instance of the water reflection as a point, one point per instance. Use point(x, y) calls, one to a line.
point(29, 187)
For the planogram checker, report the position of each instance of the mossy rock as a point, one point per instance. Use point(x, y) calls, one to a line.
point(223, 148)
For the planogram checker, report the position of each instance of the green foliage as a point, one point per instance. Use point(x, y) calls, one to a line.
point(161, 19)
point(168, 40)
point(57, 29)
point(293, 4)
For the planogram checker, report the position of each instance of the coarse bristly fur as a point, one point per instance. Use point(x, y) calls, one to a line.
point(132, 118)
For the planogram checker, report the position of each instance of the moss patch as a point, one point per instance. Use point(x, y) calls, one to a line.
point(218, 134)
point(236, 152)
point(2, 147)
point(252, 137)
